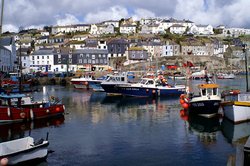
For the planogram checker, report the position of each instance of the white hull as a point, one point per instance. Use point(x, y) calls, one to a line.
point(234, 132)
point(78, 86)
point(39, 153)
point(237, 113)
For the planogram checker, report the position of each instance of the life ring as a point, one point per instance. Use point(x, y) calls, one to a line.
point(235, 92)
point(22, 115)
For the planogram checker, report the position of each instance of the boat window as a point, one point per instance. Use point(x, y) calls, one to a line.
point(209, 91)
point(203, 92)
point(150, 82)
point(214, 91)
point(143, 81)
point(122, 79)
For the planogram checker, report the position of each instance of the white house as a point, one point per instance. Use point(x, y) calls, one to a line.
point(97, 29)
point(177, 29)
point(70, 28)
point(235, 32)
point(170, 49)
point(128, 29)
point(42, 60)
point(152, 29)
point(44, 33)
point(79, 37)
point(201, 30)
point(115, 23)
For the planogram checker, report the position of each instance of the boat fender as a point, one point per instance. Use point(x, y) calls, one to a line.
point(4, 161)
point(182, 96)
point(22, 115)
point(8, 111)
point(147, 90)
point(31, 114)
point(47, 111)
point(153, 91)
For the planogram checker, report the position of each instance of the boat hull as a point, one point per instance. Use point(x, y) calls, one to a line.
point(96, 85)
point(12, 114)
point(206, 108)
point(80, 84)
point(138, 91)
point(237, 112)
point(111, 89)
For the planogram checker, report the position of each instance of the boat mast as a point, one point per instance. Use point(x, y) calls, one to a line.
point(1, 26)
point(246, 65)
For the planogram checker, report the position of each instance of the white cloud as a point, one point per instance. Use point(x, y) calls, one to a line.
point(67, 20)
point(112, 13)
point(51, 12)
point(10, 28)
point(142, 13)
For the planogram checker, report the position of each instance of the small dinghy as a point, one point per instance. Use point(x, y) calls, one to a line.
point(23, 150)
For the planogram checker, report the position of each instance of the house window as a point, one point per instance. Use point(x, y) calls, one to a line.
point(100, 55)
point(61, 66)
point(89, 61)
point(80, 60)
point(85, 61)
point(42, 57)
point(33, 58)
point(24, 58)
point(133, 56)
point(37, 57)
point(58, 51)
point(70, 60)
point(47, 62)
point(103, 55)
point(24, 64)
point(87, 55)
point(59, 55)
point(47, 57)
point(104, 47)
point(141, 55)
point(37, 62)
point(70, 55)
point(93, 56)
point(81, 55)
point(97, 61)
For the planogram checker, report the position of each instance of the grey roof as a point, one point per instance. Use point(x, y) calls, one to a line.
point(6, 41)
point(43, 37)
point(117, 41)
point(43, 51)
point(2, 47)
point(91, 51)
point(201, 25)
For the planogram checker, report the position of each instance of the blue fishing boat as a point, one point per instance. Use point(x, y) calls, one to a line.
point(151, 87)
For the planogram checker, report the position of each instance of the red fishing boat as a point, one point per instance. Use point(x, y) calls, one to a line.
point(19, 107)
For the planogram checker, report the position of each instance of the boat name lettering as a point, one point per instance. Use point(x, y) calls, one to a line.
point(198, 104)
point(131, 88)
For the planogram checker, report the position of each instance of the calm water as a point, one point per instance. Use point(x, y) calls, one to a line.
point(114, 131)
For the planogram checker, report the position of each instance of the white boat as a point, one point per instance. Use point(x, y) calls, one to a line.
point(82, 82)
point(225, 76)
point(200, 75)
point(23, 150)
point(236, 106)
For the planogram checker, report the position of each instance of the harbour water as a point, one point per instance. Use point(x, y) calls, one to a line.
point(116, 131)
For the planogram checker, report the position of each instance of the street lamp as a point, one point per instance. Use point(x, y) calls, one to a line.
point(246, 64)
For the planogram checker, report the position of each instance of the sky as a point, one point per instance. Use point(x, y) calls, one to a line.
point(39, 13)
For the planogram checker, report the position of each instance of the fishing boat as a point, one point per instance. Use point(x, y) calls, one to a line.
point(236, 106)
point(111, 84)
point(95, 84)
point(151, 87)
point(19, 107)
point(225, 76)
point(200, 75)
point(23, 150)
point(206, 103)
point(82, 82)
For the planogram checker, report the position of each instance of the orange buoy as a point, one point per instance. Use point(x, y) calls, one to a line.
point(185, 105)
point(182, 101)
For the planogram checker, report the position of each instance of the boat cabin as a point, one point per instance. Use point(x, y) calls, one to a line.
point(208, 89)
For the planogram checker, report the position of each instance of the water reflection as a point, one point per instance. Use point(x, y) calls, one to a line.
point(234, 132)
point(17, 130)
point(204, 128)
